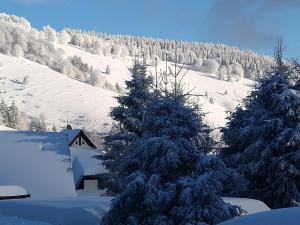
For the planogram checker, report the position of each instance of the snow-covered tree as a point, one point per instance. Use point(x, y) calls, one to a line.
point(170, 178)
point(54, 129)
point(63, 37)
point(37, 124)
point(210, 66)
point(50, 33)
point(222, 72)
point(12, 116)
point(263, 137)
point(107, 70)
point(129, 115)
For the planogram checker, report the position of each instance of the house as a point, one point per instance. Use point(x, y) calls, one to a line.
point(78, 138)
point(85, 166)
point(86, 169)
point(39, 162)
point(44, 164)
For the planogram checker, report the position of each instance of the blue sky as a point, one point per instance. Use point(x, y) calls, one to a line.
point(247, 24)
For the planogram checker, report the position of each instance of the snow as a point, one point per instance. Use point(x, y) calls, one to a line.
point(55, 95)
point(17, 221)
point(9, 191)
point(84, 163)
point(249, 205)
point(71, 133)
point(5, 128)
point(287, 216)
point(196, 80)
point(58, 211)
point(38, 162)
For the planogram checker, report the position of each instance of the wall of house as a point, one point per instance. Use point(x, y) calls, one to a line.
point(79, 142)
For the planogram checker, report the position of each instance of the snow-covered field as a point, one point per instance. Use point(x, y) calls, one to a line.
point(56, 96)
point(61, 211)
point(288, 216)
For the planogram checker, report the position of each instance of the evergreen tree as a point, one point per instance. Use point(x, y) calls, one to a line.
point(170, 178)
point(129, 115)
point(12, 116)
point(107, 70)
point(3, 112)
point(263, 137)
point(37, 124)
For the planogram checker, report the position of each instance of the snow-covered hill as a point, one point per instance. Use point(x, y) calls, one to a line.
point(59, 97)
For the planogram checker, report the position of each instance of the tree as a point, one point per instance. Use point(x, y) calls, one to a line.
point(210, 66)
point(63, 37)
point(3, 112)
point(170, 178)
point(262, 136)
point(12, 117)
point(37, 124)
point(50, 33)
point(54, 129)
point(107, 70)
point(129, 115)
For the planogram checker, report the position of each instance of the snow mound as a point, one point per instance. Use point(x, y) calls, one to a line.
point(249, 205)
point(288, 216)
point(5, 128)
point(19, 221)
point(8, 191)
point(60, 211)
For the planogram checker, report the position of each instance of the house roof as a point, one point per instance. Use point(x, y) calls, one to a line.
point(37, 161)
point(74, 134)
point(85, 164)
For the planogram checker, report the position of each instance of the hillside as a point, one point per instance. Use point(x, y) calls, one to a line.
point(60, 86)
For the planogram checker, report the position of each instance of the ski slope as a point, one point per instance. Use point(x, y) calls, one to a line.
point(60, 98)
point(53, 95)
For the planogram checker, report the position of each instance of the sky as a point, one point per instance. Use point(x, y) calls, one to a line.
point(247, 24)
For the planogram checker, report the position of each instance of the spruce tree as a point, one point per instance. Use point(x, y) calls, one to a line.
point(129, 116)
point(263, 137)
point(12, 116)
point(170, 180)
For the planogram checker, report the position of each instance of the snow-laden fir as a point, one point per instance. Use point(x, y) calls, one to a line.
point(169, 178)
point(263, 137)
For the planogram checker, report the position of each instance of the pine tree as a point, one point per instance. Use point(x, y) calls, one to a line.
point(54, 129)
point(12, 117)
point(129, 115)
point(170, 178)
point(3, 112)
point(37, 124)
point(263, 137)
point(107, 70)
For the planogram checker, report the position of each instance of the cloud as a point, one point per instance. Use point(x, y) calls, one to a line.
point(255, 22)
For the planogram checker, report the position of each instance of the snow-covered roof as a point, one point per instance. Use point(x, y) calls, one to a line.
point(37, 161)
point(84, 163)
point(12, 191)
point(71, 133)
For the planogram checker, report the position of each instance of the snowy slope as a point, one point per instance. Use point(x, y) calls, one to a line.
point(55, 95)
point(198, 81)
